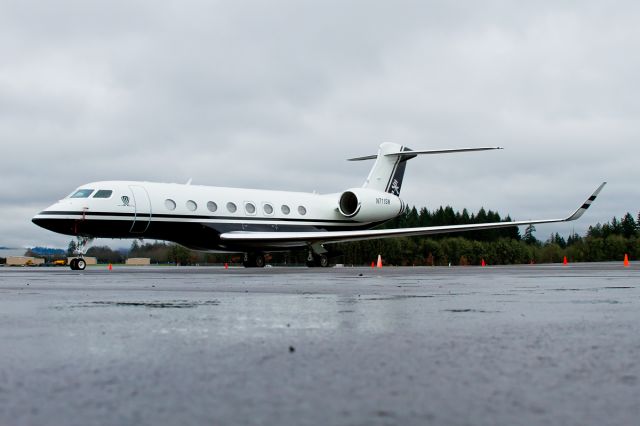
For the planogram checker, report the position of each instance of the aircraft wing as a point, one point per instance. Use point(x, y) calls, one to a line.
point(296, 238)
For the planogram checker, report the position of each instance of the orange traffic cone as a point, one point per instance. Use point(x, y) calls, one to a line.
point(379, 261)
point(110, 267)
point(565, 261)
point(373, 264)
point(226, 266)
point(626, 260)
point(483, 263)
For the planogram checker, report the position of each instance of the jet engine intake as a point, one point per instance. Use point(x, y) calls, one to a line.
point(366, 205)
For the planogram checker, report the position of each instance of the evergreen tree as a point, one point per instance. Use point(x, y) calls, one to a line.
point(557, 240)
point(574, 238)
point(628, 226)
point(134, 249)
point(595, 231)
point(529, 238)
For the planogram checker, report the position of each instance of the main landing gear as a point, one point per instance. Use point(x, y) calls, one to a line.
point(319, 256)
point(253, 260)
point(315, 260)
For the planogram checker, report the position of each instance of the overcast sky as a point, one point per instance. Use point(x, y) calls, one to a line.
point(277, 94)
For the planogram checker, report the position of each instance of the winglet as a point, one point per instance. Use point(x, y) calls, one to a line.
point(578, 213)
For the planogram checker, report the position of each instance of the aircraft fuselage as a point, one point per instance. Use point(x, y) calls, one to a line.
point(195, 215)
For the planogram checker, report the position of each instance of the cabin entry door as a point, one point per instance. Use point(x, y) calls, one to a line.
point(142, 204)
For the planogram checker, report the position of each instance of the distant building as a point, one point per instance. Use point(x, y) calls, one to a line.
point(138, 261)
point(24, 261)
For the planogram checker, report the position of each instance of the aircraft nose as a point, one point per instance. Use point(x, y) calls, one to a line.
point(43, 222)
point(52, 223)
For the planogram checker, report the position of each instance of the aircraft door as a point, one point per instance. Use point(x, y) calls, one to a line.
point(142, 204)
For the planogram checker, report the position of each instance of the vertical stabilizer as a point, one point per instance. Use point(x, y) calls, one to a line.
point(388, 171)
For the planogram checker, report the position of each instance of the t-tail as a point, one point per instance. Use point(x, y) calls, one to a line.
point(387, 173)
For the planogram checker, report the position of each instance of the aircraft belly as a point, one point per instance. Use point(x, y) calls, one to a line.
point(195, 234)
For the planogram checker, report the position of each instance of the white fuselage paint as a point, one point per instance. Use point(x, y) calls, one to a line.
point(145, 209)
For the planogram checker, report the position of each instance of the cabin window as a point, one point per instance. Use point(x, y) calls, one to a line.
point(170, 204)
point(285, 209)
point(212, 206)
point(302, 210)
point(250, 208)
point(82, 193)
point(267, 208)
point(231, 207)
point(103, 193)
point(191, 205)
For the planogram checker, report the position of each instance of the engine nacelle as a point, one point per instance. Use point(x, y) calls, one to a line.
point(366, 205)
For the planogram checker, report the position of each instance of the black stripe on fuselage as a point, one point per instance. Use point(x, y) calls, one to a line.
point(176, 216)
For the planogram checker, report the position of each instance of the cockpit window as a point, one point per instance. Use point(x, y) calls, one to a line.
point(103, 193)
point(82, 193)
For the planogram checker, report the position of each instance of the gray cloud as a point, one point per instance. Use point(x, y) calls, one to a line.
point(277, 94)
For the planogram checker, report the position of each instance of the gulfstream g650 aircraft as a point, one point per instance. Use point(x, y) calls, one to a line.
point(251, 221)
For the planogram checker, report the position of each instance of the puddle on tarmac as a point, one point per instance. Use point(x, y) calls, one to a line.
point(171, 304)
point(397, 297)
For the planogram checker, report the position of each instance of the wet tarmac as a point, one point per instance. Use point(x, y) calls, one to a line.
point(523, 345)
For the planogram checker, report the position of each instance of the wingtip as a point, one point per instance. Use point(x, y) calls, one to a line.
point(585, 206)
point(597, 191)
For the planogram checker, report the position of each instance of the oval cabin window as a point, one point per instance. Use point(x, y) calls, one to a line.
point(191, 205)
point(170, 204)
point(212, 206)
point(285, 209)
point(231, 207)
point(302, 210)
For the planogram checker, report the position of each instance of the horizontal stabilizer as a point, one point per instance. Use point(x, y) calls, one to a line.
point(424, 152)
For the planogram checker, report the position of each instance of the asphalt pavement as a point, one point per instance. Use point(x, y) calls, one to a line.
point(524, 345)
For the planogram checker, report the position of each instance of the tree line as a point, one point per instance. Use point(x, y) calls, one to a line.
point(602, 242)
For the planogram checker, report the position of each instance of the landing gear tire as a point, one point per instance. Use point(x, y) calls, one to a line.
point(81, 264)
point(321, 260)
point(254, 260)
point(78, 264)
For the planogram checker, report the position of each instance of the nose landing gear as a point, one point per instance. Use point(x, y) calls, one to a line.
point(78, 263)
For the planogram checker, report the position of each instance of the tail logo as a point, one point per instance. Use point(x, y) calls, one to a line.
point(395, 187)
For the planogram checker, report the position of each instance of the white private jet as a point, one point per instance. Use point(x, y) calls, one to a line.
point(251, 221)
